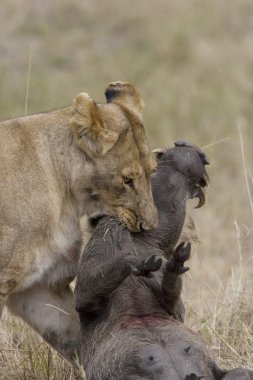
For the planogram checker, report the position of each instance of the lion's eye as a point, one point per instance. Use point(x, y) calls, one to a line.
point(128, 181)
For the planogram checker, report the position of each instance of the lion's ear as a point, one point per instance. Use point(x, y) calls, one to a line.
point(124, 94)
point(93, 136)
point(158, 153)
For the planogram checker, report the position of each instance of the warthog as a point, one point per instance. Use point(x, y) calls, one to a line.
point(128, 294)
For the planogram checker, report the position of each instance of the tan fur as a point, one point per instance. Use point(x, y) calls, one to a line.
point(57, 166)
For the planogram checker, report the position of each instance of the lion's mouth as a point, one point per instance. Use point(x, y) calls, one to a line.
point(131, 222)
point(124, 216)
point(94, 220)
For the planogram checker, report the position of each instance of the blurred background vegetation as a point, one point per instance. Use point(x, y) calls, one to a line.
point(193, 63)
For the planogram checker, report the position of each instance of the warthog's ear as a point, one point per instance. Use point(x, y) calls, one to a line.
point(158, 153)
point(93, 136)
point(124, 94)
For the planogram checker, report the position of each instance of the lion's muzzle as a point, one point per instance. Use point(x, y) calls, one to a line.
point(146, 220)
point(149, 218)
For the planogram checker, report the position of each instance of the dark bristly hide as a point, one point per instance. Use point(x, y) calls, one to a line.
point(128, 289)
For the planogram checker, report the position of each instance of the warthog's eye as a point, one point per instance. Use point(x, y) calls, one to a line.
point(128, 181)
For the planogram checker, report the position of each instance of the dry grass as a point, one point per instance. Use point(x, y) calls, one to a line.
point(193, 61)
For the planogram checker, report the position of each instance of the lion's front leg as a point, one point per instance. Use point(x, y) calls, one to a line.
point(51, 314)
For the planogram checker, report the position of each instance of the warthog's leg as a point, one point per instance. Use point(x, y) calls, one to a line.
point(52, 314)
point(93, 291)
point(239, 374)
point(172, 282)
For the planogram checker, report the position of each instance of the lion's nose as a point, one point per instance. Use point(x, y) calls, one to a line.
point(148, 218)
point(144, 226)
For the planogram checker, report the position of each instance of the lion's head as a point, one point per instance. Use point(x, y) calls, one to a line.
point(113, 138)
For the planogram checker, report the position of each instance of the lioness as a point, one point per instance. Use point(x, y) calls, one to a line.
point(87, 158)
